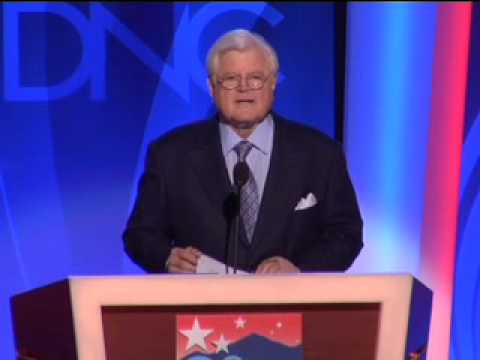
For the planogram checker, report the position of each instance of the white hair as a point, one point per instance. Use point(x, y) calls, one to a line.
point(240, 40)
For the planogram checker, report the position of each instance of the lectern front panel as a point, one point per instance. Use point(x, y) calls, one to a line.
point(330, 331)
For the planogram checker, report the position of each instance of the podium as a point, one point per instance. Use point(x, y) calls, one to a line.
point(361, 317)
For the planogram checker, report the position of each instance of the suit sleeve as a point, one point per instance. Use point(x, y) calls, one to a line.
point(339, 238)
point(146, 238)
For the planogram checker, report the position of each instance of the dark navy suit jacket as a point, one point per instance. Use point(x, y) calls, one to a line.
point(183, 193)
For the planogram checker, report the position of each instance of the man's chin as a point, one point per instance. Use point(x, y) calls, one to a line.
point(244, 124)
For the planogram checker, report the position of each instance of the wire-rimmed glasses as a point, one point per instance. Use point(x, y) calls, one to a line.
point(254, 81)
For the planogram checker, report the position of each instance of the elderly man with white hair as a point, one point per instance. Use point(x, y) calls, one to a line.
point(297, 209)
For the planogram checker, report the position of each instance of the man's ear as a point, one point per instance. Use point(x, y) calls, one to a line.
point(210, 86)
point(274, 82)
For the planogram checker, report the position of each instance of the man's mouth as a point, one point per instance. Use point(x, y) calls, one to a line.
point(245, 101)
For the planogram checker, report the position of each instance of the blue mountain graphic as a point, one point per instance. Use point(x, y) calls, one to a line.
point(254, 347)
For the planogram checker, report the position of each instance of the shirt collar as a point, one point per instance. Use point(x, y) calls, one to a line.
point(261, 137)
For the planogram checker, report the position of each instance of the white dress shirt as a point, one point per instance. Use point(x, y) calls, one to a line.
point(259, 157)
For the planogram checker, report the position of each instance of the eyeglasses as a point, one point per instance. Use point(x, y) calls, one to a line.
point(254, 81)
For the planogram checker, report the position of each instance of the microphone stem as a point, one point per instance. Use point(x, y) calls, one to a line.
point(241, 173)
point(236, 228)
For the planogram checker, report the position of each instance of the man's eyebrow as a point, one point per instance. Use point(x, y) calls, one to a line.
point(230, 74)
point(258, 72)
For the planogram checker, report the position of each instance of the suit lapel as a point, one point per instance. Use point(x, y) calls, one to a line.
point(282, 188)
point(209, 165)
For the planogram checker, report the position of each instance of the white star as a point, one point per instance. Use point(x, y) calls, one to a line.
point(279, 325)
point(222, 344)
point(196, 336)
point(240, 323)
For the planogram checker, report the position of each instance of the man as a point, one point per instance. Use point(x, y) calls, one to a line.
point(298, 210)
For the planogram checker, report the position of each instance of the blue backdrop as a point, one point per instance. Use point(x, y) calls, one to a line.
point(86, 86)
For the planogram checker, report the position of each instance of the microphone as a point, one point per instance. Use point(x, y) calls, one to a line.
point(241, 173)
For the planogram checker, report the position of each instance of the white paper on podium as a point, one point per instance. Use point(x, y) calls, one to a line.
point(208, 265)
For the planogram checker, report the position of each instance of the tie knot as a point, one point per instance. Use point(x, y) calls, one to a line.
point(242, 149)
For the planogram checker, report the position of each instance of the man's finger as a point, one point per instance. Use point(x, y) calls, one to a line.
point(176, 264)
point(271, 267)
point(266, 266)
point(194, 251)
point(182, 260)
point(185, 255)
point(181, 270)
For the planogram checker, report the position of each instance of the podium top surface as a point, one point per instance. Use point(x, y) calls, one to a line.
point(199, 289)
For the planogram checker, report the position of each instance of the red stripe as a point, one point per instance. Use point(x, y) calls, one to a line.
point(444, 167)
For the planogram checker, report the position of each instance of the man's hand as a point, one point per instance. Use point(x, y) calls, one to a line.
point(276, 265)
point(183, 260)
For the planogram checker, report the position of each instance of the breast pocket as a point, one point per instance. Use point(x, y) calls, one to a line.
point(305, 219)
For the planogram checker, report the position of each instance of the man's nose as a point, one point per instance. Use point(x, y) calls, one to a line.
point(243, 85)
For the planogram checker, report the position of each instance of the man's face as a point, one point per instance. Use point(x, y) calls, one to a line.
point(244, 107)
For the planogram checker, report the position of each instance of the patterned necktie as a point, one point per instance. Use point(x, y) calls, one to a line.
point(248, 193)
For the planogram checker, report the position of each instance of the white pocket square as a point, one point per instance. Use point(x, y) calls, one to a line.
point(306, 202)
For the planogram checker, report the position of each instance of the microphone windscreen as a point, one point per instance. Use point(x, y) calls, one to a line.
point(241, 173)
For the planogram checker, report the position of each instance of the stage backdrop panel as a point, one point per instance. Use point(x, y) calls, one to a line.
point(86, 86)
